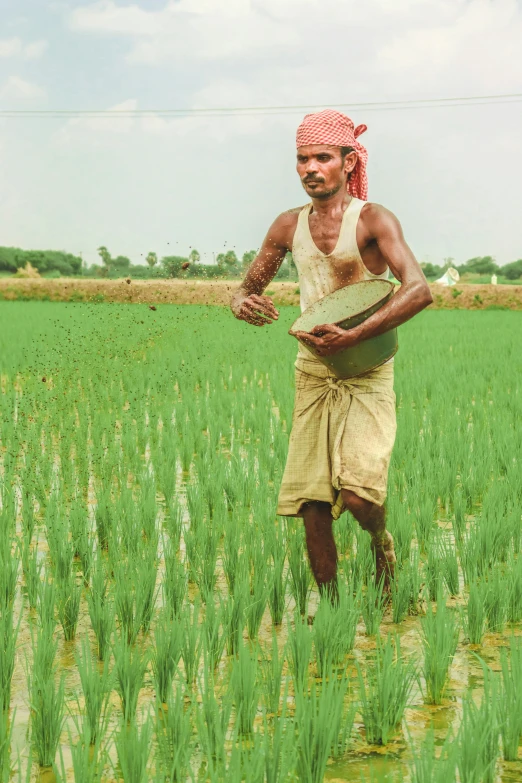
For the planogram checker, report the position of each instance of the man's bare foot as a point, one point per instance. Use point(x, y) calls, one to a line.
point(384, 560)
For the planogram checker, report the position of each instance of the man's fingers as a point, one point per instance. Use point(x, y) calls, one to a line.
point(323, 329)
point(264, 304)
point(306, 337)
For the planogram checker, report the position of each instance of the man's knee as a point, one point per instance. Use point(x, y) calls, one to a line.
point(356, 505)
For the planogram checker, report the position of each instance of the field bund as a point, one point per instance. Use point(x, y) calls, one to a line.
point(218, 292)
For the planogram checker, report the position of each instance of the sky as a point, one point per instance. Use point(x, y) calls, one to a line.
point(138, 184)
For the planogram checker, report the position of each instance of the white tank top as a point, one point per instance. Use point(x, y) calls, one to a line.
point(316, 269)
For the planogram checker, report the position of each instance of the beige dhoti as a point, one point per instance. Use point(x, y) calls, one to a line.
point(342, 437)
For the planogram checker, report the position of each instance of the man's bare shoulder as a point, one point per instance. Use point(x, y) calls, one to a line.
point(375, 217)
point(283, 228)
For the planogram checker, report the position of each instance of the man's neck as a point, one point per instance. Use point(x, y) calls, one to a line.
point(336, 204)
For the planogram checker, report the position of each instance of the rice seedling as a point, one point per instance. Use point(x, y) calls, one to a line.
point(272, 673)
point(234, 617)
point(449, 566)
point(47, 716)
point(175, 581)
point(214, 638)
point(514, 582)
point(103, 516)
point(256, 603)
point(245, 688)
point(510, 699)
point(300, 651)
point(8, 641)
point(133, 748)
point(440, 635)
point(334, 631)
point(278, 748)
point(277, 580)
point(496, 596)
point(8, 572)
point(401, 594)
point(373, 605)
point(475, 615)
point(425, 514)
point(166, 652)
point(96, 687)
point(317, 718)
point(173, 728)
point(415, 582)
point(88, 757)
point(479, 746)
point(32, 568)
point(212, 719)
point(433, 569)
point(427, 767)
point(300, 575)
point(68, 606)
point(6, 733)
point(385, 691)
point(45, 605)
point(191, 646)
point(101, 611)
point(130, 665)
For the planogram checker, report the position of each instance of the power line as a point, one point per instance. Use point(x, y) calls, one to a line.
point(237, 111)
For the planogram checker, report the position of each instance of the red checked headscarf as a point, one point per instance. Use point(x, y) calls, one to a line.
point(332, 127)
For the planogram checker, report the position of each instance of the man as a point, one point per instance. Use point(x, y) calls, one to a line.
point(342, 431)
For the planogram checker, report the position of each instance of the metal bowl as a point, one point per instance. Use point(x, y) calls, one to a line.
point(348, 307)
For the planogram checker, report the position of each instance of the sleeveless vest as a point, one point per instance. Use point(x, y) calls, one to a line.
point(316, 269)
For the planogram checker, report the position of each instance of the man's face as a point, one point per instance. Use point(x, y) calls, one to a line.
point(322, 170)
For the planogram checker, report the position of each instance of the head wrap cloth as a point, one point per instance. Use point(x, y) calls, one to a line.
point(336, 129)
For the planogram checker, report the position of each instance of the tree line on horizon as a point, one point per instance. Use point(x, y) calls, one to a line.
point(56, 263)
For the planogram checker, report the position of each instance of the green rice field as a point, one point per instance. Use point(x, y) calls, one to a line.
point(154, 609)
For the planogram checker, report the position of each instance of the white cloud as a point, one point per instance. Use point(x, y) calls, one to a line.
point(94, 127)
point(16, 88)
point(15, 47)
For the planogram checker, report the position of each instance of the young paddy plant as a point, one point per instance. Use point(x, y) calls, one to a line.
point(385, 690)
point(8, 640)
point(401, 594)
point(277, 580)
point(173, 729)
point(130, 665)
point(212, 719)
point(475, 614)
point(101, 610)
point(514, 582)
point(68, 605)
point(428, 767)
point(256, 603)
point(317, 719)
point(133, 745)
point(32, 569)
point(6, 734)
point(478, 746)
point(300, 651)
point(440, 635)
point(88, 757)
point(96, 687)
point(300, 575)
point(174, 581)
point(496, 597)
point(234, 616)
point(191, 642)
point(272, 678)
point(373, 605)
point(334, 630)
point(214, 638)
point(165, 655)
point(244, 687)
point(47, 715)
point(510, 699)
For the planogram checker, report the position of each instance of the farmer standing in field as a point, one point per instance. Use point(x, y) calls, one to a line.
point(343, 431)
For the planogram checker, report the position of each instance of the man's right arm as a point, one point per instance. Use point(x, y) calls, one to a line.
point(248, 303)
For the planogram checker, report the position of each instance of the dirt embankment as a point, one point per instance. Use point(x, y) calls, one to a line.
point(218, 292)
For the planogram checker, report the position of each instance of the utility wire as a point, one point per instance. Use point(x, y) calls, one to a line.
point(238, 111)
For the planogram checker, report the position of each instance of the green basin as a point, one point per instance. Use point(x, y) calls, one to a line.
point(348, 307)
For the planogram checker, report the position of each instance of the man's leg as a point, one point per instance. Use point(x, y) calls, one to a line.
point(372, 518)
point(320, 543)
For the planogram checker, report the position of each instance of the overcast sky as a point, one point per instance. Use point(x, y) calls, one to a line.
point(452, 175)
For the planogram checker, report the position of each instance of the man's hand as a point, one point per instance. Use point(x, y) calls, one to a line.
point(328, 339)
point(254, 309)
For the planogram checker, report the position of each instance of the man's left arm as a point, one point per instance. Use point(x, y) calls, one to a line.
point(412, 297)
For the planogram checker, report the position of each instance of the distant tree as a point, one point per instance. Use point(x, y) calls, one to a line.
point(194, 256)
point(152, 259)
point(172, 265)
point(248, 257)
point(121, 262)
point(230, 258)
point(432, 271)
point(512, 271)
point(482, 265)
point(106, 260)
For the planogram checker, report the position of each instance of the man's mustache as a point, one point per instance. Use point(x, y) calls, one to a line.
point(313, 179)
